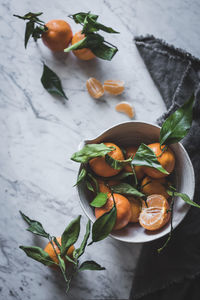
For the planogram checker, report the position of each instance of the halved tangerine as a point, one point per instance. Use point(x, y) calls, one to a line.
point(94, 87)
point(114, 87)
point(155, 214)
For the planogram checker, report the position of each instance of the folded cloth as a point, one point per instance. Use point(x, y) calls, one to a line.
point(175, 272)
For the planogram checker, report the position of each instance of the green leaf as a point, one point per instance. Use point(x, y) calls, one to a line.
point(91, 25)
point(81, 176)
point(185, 197)
point(78, 252)
point(177, 125)
point(117, 164)
point(30, 16)
point(61, 263)
point(127, 189)
point(91, 41)
point(38, 31)
point(90, 265)
point(146, 157)
point(103, 226)
point(104, 51)
point(34, 226)
point(28, 32)
point(90, 151)
point(51, 82)
point(99, 200)
point(38, 254)
point(89, 186)
point(94, 181)
point(70, 235)
point(79, 18)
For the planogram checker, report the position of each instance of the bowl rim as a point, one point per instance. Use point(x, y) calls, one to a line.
point(81, 144)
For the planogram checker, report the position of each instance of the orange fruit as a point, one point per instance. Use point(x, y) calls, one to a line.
point(103, 188)
point(114, 87)
point(130, 151)
point(49, 249)
point(154, 186)
point(123, 210)
point(126, 108)
point(156, 214)
point(58, 36)
point(135, 209)
point(100, 166)
point(85, 53)
point(166, 159)
point(94, 87)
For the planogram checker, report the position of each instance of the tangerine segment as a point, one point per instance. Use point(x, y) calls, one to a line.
point(166, 158)
point(155, 214)
point(114, 87)
point(130, 151)
point(58, 36)
point(152, 186)
point(49, 249)
point(126, 108)
point(135, 209)
point(100, 166)
point(123, 210)
point(94, 87)
point(85, 53)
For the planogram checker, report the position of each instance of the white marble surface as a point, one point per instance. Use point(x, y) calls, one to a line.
point(39, 134)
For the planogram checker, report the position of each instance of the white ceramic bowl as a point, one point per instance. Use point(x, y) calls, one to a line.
point(134, 133)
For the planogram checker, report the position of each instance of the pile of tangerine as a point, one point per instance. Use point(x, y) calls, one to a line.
point(151, 214)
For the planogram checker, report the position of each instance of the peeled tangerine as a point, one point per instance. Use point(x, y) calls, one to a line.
point(126, 108)
point(114, 87)
point(155, 214)
point(94, 87)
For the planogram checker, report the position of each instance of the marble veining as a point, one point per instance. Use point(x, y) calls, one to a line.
point(39, 133)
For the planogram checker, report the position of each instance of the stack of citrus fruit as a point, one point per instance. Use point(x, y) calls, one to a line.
point(151, 210)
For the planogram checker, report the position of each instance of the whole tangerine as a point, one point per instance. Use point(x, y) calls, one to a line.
point(85, 53)
point(130, 151)
point(58, 36)
point(123, 208)
point(100, 166)
point(152, 186)
point(165, 157)
point(49, 249)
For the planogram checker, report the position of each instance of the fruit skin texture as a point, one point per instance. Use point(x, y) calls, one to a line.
point(58, 36)
point(105, 189)
point(135, 209)
point(155, 215)
point(100, 166)
point(123, 210)
point(85, 53)
point(138, 169)
point(49, 249)
point(167, 161)
point(94, 87)
point(156, 186)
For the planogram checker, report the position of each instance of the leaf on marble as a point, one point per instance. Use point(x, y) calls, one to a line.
point(177, 125)
point(90, 151)
point(51, 82)
point(34, 27)
point(103, 226)
point(126, 189)
point(34, 226)
point(79, 251)
point(90, 265)
point(38, 254)
point(146, 157)
point(70, 235)
point(99, 200)
point(80, 17)
point(91, 25)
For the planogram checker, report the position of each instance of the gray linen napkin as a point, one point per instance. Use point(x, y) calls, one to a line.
point(175, 272)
